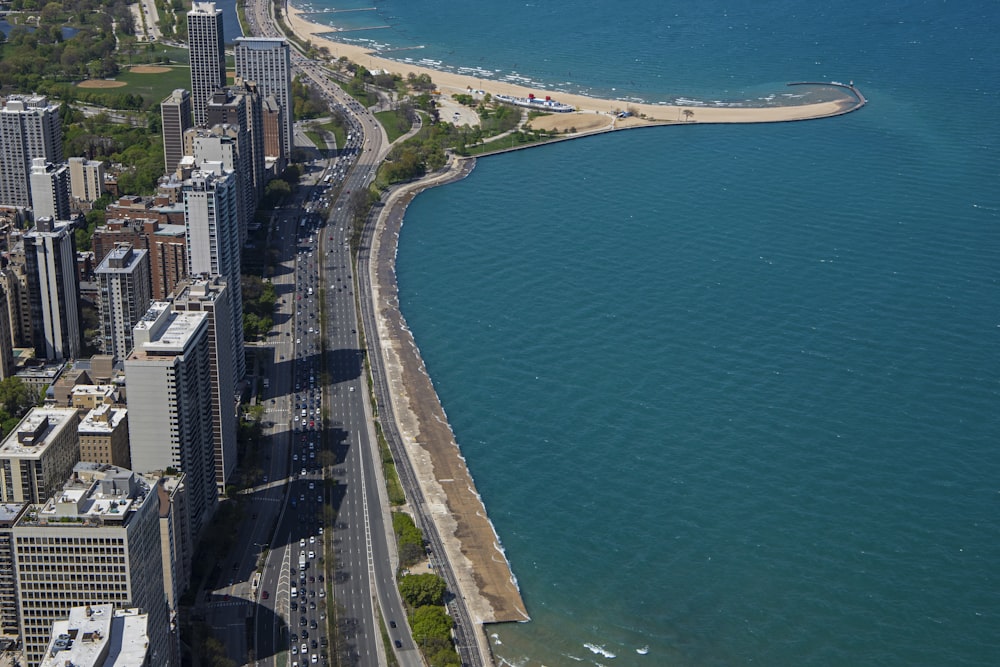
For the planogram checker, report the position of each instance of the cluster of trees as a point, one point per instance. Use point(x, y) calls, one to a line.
point(34, 53)
point(16, 398)
point(259, 298)
point(306, 100)
point(279, 188)
point(409, 539)
point(429, 622)
point(419, 154)
point(97, 138)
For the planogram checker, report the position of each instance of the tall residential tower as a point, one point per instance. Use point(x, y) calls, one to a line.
point(208, 59)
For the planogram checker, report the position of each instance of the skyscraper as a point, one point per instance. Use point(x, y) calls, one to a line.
point(95, 541)
point(211, 296)
point(49, 189)
point(170, 403)
point(208, 59)
point(212, 234)
point(267, 62)
point(29, 128)
point(53, 291)
point(176, 114)
point(123, 276)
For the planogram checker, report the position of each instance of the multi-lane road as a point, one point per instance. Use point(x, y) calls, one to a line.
point(320, 460)
point(320, 508)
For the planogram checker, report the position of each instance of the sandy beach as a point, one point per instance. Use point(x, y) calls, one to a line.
point(449, 83)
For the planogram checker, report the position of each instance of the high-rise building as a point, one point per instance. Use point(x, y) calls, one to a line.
point(125, 294)
point(10, 514)
point(211, 296)
point(175, 112)
point(165, 243)
point(255, 120)
point(49, 189)
point(274, 135)
point(230, 146)
point(6, 342)
point(208, 59)
point(29, 129)
point(38, 455)
point(97, 540)
point(170, 403)
point(176, 545)
point(86, 179)
point(267, 62)
point(213, 243)
point(53, 291)
point(14, 280)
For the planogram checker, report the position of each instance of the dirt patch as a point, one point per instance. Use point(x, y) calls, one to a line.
point(150, 69)
point(561, 122)
point(101, 83)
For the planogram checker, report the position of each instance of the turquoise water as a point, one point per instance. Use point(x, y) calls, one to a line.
point(730, 394)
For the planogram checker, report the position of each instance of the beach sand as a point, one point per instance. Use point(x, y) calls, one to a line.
point(449, 83)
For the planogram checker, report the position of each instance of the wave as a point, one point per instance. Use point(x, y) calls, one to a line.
point(600, 650)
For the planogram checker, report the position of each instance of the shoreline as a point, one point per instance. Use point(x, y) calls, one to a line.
point(487, 586)
point(450, 83)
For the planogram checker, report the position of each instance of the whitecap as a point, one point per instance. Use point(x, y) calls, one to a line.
point(600, 650)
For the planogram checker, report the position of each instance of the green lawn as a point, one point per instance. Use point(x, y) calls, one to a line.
point(154, 87)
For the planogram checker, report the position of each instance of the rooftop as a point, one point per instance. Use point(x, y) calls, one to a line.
point(36, 431)
point(99, 636)
point(162, 331)
point(97, 494)
point(103, 419)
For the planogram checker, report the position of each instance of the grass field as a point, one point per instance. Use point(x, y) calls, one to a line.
point(155, 87)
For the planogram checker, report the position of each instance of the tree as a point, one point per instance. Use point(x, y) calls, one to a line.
point(430, 624)
point(419, 590)
point(688, 114)
point(15, 397)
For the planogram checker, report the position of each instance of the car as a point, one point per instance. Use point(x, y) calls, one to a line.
point(295, 649)
point(312, 538)
point(304, 649)
point(303, 622)
point(305, 634)
point(295, 638)
point(399, 644)
point(314, 644)
point(313, 625)
point(312, 554)
point(313, 659)
point(265, 595)
point(295, 607)
point(392, 624)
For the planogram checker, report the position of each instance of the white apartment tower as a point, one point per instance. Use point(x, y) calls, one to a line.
point(86, 179)
point(211, 221)
point(267, 62)
point(49, 189)
point(29, 129)
point(211, 296)
point(97, 540)
point(125, 294)
point(170, 403)
point(53, 291)
point(208, 59)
